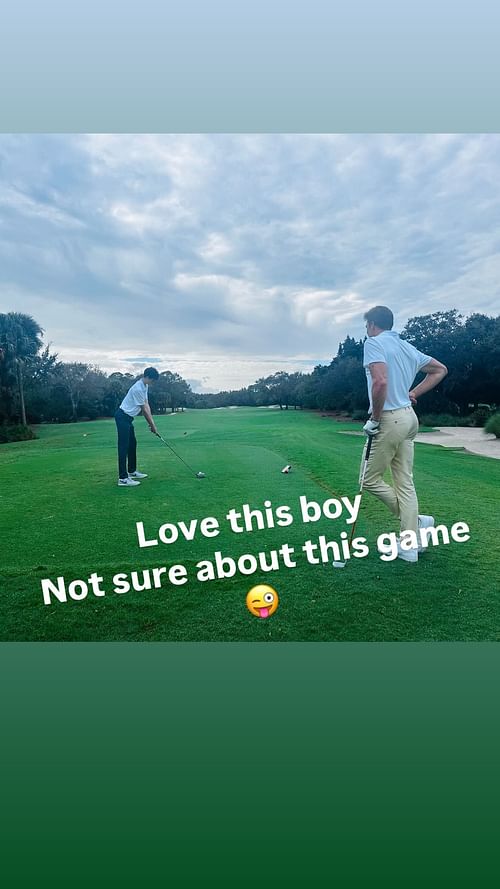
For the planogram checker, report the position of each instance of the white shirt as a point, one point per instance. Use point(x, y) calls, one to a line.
point(403, 363)
point(136, 396)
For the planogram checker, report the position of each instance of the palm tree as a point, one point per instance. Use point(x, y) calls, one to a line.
point(20, 341)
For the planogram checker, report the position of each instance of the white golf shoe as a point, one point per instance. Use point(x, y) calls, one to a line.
point(127, 483)
point(408, 555)
point(425, 521)
point(137, 474)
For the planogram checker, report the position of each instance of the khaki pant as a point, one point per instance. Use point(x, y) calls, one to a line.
point(393, 447)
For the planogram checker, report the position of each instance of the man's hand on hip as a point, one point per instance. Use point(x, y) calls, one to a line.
point(371, 427)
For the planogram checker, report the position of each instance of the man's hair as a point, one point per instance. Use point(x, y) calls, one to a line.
point(381, 317)
point(151, 373)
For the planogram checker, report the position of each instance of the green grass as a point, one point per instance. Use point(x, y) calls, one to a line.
point(61, 513)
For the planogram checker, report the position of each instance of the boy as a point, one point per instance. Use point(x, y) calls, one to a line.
point(135, 401)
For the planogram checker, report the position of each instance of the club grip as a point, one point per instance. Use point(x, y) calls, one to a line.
point(368, 447)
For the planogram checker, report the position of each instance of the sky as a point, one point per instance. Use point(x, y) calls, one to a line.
point(227, 257)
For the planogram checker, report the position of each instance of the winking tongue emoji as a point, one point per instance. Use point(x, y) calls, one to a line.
point(262, 600)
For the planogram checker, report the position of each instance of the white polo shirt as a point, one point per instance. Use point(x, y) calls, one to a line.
point(136, 396)
point(403, 363)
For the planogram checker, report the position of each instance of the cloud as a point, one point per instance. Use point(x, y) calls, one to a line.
point(230, 256)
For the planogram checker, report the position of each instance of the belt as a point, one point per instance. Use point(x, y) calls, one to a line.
point(396, 410)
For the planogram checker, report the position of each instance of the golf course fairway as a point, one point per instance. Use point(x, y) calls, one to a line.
point(62, 515)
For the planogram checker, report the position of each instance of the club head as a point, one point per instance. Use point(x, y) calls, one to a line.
point(200, 475)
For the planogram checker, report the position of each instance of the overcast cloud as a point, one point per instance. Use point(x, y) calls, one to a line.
point(227, 257)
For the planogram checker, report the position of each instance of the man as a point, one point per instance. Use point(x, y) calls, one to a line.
point(135, 401)
point(391, 366)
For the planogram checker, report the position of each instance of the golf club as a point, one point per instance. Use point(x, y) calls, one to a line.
point(365, 464)
point(363, 473)
point(197, 474)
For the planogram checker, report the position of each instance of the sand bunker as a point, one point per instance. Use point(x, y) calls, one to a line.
point(476, 441)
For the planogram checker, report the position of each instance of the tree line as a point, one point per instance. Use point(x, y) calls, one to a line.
point(469, 347)
point(36, 387)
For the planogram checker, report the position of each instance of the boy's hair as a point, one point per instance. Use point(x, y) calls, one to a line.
point(381, 317)
point(151, 373)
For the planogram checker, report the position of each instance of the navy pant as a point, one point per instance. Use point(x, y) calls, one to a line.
point(127, 444)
